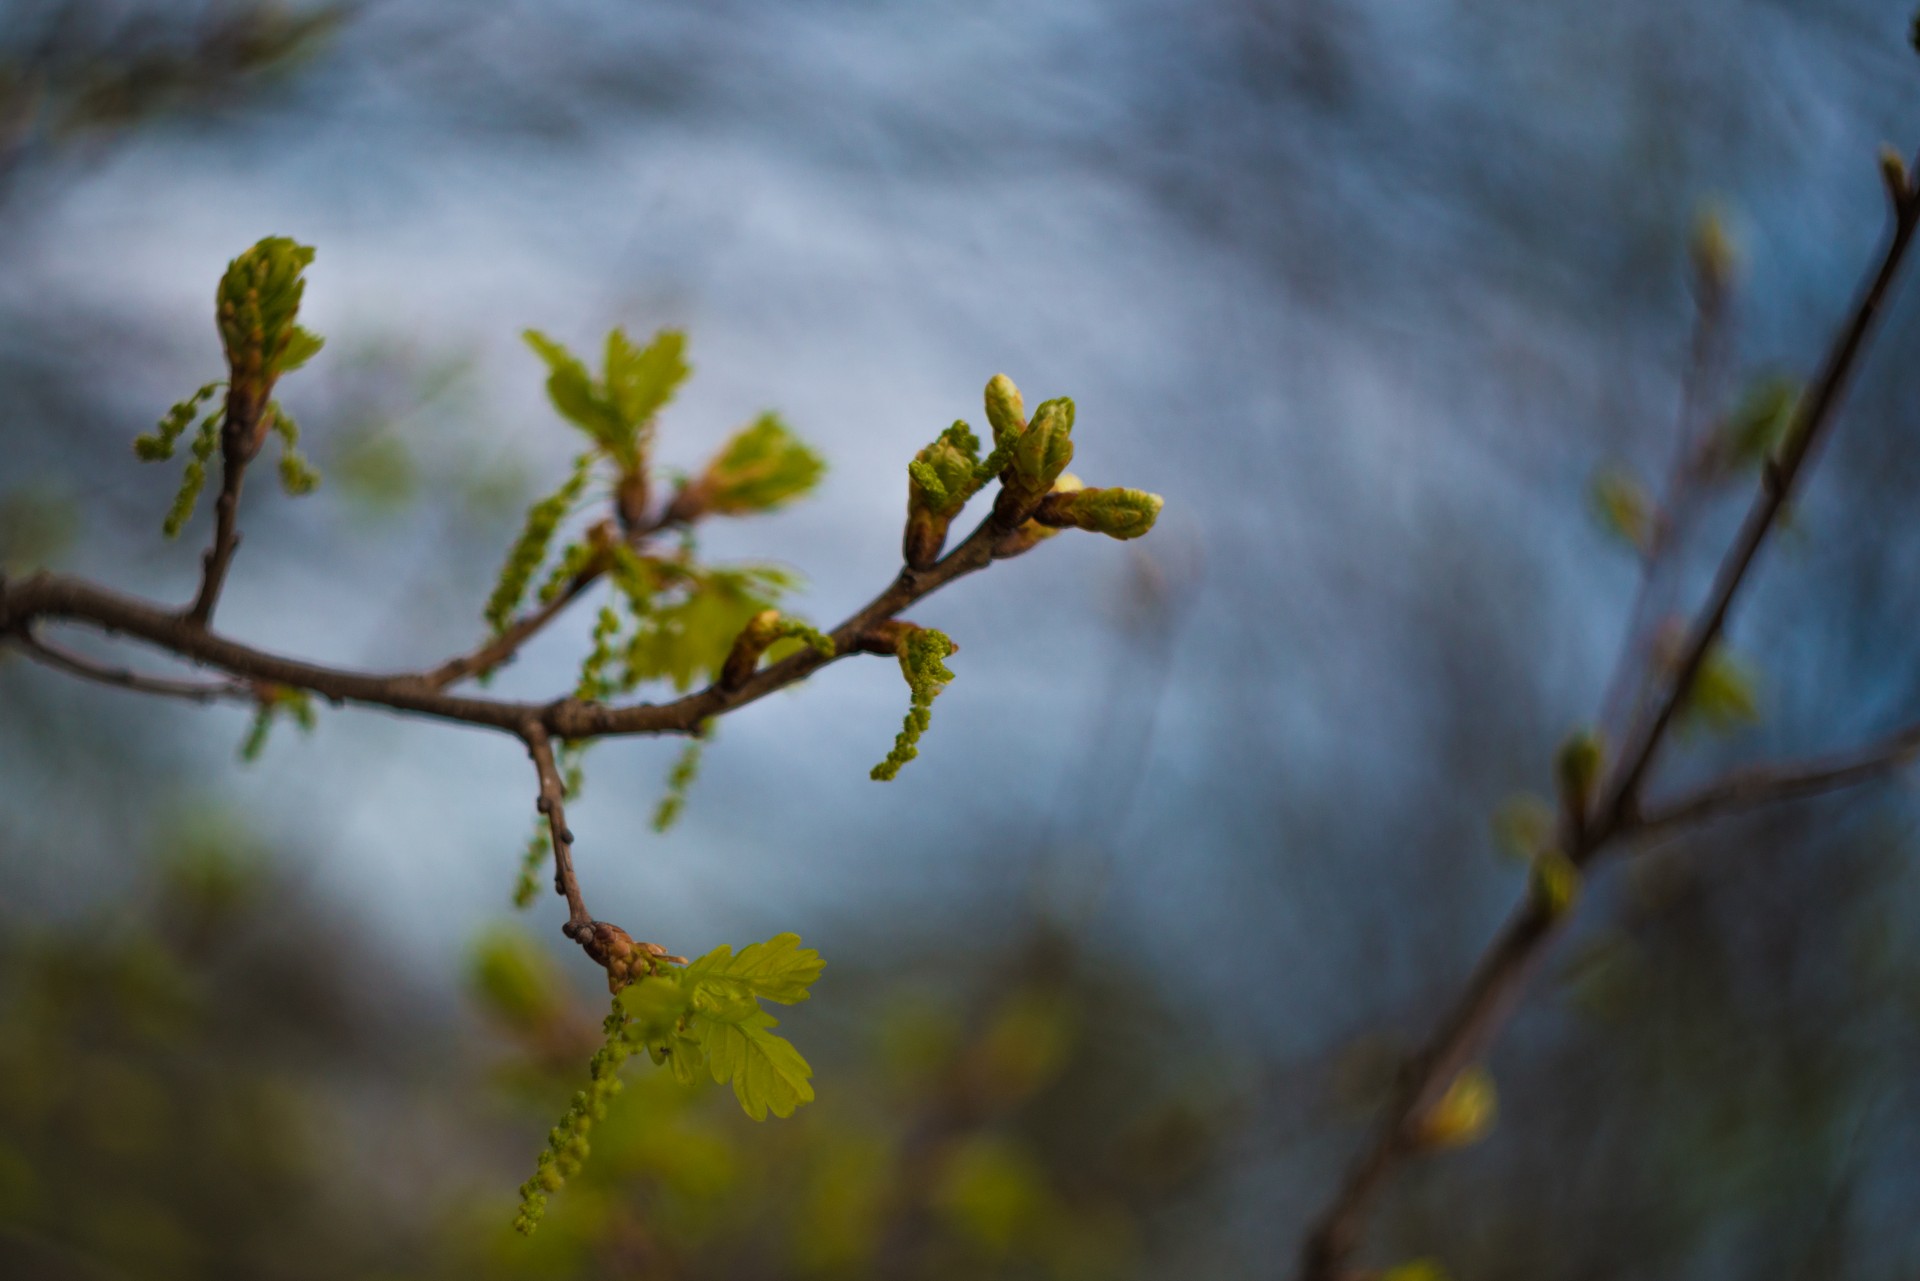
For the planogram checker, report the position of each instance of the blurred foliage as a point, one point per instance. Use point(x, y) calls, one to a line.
point(74, 69)
point(196, 1084)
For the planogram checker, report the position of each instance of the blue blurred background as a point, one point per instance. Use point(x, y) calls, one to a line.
point(1368, 290)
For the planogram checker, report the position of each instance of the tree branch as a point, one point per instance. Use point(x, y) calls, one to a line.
point(1482, 1010)
point(552, 804)
point(1763, 785)
point(50, 655)
point(54, 596)
point(238, 444)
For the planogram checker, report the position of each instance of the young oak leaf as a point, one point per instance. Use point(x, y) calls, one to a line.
point(776, 970)
point(766, 1071)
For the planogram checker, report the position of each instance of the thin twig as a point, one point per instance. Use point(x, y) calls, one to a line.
point(238, 444)
point(1481, 1011)
point(552, 804)
point(1621, 705)
point(54, 596)
point(1763, 785)
point(66, 660)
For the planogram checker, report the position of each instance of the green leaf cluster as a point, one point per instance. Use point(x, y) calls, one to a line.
point(703, 1021)
point(923, 653)
point(616, 410)
point(946, 473)
point(256, 307)
point(686, 617)
point(940, 480)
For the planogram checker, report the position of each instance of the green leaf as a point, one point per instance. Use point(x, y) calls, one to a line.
point(302, 345)
point(776, 970)
point(760, 469)
point(767, 1072)
point(640, 382)
point(574, 395)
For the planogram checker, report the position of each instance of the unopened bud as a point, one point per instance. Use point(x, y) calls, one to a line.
point(1006, 412)
point(1117, 513)
point(1042, 452)
point(1714, 257)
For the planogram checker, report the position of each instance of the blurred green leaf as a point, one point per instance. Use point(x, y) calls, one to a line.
point(760, 469)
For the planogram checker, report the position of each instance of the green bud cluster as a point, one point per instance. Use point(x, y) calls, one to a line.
point(1040, 455)
point(1037, 495)
point(256, 307)
point(923, 653)
point(940, 480)
point(257, 304)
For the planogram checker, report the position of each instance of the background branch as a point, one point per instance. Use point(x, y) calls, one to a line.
point(66, 660)
point(1481, 1011)
point(1771, 784)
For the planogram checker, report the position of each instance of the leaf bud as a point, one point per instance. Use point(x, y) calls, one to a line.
point(1715, 258)
point(1006, 413)
point(1577, 769)
point(1464, 1113)
point(1117, 513)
